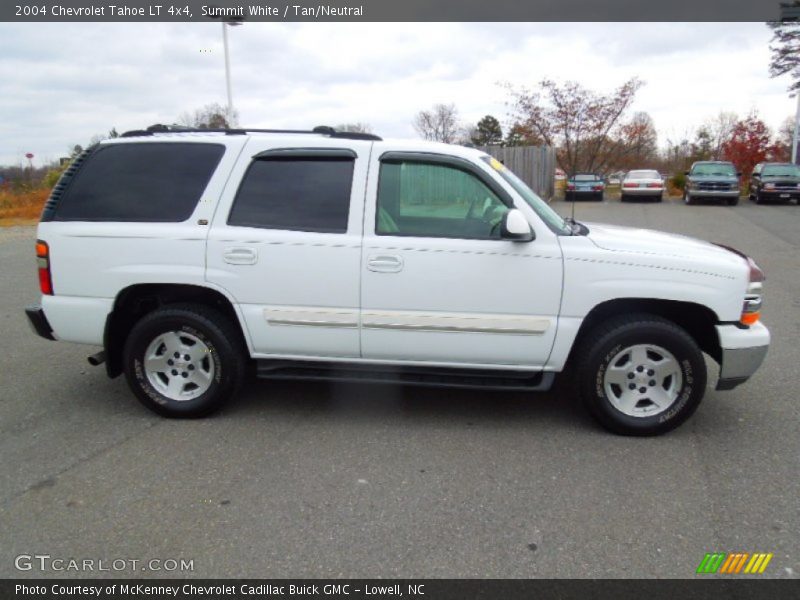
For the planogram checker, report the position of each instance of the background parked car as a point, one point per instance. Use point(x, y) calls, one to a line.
point(712, 179)
point(585, 186)
point(645, 184)
point(775, 181)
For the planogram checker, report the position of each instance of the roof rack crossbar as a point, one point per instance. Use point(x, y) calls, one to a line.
point(321, 130)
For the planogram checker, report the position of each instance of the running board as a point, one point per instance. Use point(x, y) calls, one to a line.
point(427, 376)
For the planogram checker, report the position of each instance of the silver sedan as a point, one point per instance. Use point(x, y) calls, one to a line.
point(644, 184)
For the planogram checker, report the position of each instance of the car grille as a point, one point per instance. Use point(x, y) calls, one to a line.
point(715, 186)
point(786, 186)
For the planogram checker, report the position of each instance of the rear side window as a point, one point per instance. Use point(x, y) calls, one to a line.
point(297, 194)
point(153, 182)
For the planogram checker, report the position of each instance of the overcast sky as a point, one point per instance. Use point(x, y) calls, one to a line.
point(60, 84)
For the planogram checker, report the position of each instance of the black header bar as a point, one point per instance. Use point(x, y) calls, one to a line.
point(393, 10)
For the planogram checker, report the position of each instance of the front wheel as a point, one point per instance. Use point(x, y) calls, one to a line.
point(733, 201)
point(687, 198)
point(641, 375)
point(184, 360)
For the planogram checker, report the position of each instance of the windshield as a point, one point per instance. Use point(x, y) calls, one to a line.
point(585, 178)
point(714, 169)
point(547, 214)
point(781, 171)
point(643, 175)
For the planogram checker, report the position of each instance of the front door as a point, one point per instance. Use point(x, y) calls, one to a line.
point(438, 284)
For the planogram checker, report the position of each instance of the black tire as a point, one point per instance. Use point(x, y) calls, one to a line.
point(623, 198)
point(224, 350)
point(758, 198)
point(687, 198)
point(660, 198)
point(599, 197)
point(606, 341)
point(733, 201)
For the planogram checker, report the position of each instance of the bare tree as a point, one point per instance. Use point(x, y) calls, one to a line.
point(784, 140)
point(357, 127)
point(440, 124)
point(210, 116)
point(584, 126)
point(718, 130)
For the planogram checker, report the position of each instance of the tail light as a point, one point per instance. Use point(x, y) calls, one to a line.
point(43, 263)
point(630, 185)
point(597, 188)
point(654, 185)
point(570, 186)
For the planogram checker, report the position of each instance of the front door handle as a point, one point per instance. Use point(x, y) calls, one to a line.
point(240, 256)
point(385, 263)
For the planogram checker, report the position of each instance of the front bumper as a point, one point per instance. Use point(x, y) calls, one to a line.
point(695, 193)
point(38, 322)
point(780, 194)
point(743, 351)
point(642, 191)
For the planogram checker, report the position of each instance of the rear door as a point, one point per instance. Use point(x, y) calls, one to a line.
point(286, 244)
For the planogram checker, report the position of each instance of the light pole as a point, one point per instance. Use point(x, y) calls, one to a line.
point(796, 129)
point(225, 23)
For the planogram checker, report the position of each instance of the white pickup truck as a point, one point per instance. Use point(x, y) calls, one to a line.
point(191, 256)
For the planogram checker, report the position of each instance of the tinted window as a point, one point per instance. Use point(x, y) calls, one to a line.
point(781, 171)
point(643, 175)
point(153, 182)
point(433, 200)
point(714, 169)
point(299, 194)
point(585, 178)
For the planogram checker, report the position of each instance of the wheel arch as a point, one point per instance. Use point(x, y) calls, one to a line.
point(135, 301)
point(698, 320)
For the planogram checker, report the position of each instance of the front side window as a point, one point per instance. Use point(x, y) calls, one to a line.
point(296, 194)
point(435, 200)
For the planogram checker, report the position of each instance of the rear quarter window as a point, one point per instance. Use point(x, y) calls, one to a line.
point(150, 182)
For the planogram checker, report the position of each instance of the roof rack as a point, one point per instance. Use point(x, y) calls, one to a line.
point(320, 130)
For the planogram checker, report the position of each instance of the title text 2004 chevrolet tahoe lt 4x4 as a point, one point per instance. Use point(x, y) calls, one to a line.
point(190, 256)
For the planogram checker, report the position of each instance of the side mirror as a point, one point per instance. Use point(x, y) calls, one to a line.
point(686, 172)
point(515, 227)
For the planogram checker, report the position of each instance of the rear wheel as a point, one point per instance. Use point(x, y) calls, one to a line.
point(641, 375)
point(623, 198)
point(184, 360)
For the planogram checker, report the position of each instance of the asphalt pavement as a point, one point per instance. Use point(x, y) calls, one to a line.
point(299, 479)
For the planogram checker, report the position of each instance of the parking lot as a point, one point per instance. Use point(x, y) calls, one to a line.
point(300, 479)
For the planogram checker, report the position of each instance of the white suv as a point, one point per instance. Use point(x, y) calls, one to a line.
point(191, 255)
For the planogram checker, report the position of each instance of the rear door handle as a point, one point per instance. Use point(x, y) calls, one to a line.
point(240, 256)
point(385, 263)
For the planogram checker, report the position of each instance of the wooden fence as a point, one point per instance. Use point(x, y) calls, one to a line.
point(535, 165)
